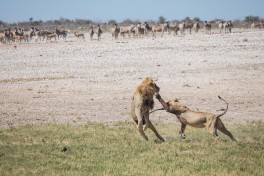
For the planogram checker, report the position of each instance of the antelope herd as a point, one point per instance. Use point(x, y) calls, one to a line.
point(140, 30)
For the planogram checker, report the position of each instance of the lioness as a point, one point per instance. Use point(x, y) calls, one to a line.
point(195, 119)
point(142, 102)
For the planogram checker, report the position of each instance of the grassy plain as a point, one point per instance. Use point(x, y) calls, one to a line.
point(96, 149)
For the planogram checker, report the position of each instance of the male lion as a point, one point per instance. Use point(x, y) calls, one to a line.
point(195, 119)
point(142, 102)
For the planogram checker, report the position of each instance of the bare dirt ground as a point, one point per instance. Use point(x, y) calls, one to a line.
point(77, 82)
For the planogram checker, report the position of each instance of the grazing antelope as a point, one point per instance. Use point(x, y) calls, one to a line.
point(78, 35)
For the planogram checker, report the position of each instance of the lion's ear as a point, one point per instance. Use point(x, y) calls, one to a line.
point(155, 79)
point(149, 79)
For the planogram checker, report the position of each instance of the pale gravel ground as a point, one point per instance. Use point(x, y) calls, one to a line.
point(78, 82)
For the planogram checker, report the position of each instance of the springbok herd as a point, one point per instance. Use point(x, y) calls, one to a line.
point(140, 30)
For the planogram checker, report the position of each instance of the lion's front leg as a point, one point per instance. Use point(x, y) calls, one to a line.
point(181, 132)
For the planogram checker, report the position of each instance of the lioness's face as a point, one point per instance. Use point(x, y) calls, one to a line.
point(175, 106)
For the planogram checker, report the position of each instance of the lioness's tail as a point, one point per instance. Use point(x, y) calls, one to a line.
point(156, 110)
point(219, 115)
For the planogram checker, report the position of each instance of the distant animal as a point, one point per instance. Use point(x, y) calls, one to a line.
point(160, 28)
point(147, 28)
point(208, 27)
point(196, 119)
point(221, 26)
point(2, 37)
point(61, 32)
point(41, 33)
point(196, 26)
point(79, 35)
point(98, 32)
point(142, 103)
point(8, 36)
point(51, 36)
point(174, 27)
point(127, 30)
point(228, 25)
point(181, 27)
point(256, 25)
point(139, 30)
point(115, 31)
point(189, 25)
point(91, 33)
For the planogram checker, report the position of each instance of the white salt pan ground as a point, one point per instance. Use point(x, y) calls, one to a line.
point(79, 81)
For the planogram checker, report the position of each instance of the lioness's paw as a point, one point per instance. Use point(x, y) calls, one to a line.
point(183, 136)
point(157, 95)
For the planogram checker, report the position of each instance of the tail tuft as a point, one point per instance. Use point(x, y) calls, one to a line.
point(219, 97)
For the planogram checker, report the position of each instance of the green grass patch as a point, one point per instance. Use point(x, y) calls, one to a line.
point(96, 149)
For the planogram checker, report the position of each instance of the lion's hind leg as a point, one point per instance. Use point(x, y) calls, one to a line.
point(212, 127)
point(146, 122)
point(140, 124)
point(151, 126)
point(140, 129)
point(220, 126)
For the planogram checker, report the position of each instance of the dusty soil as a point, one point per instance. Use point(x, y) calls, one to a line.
point(78, 82)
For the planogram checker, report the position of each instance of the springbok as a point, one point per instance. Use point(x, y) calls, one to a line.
point(78, 35)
